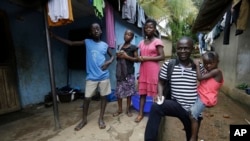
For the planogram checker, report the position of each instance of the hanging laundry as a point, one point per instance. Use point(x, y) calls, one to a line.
point(59, 12)
point(241, 9)
point(110, 33)
point(129, 11)
point(227, 27)
point(140, 16)
point(98, 8)
point(202, 46)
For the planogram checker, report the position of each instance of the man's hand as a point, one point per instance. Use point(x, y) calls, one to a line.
point(159, 99)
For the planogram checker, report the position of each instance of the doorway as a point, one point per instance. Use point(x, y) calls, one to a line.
point(9, 100)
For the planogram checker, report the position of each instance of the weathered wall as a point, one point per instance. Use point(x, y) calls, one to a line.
point(27, 30)
point(234, 62)
point(167, 47)
point(234, 58)
point(29, 39)
point(228, 58)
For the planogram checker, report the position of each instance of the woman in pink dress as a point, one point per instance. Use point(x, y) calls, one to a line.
point(151, 52)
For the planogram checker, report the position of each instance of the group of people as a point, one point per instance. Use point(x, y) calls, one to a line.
point(186, 102)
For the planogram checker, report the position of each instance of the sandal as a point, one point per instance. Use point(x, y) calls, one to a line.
point(117, 113)
point(101, 124)
point(80, 126)
point(138, 119)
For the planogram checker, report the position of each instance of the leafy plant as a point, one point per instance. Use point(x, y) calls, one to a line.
point(242, 86)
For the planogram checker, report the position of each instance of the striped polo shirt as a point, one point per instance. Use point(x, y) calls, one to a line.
point(183, 83)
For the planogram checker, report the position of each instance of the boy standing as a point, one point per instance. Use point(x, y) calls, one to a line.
point(97, 73)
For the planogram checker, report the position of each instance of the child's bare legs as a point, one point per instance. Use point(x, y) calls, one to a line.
point(142, 103)
point(119, 111)
point(101, 123)
point(128, 112)
point(194, 127)
point(84, 114)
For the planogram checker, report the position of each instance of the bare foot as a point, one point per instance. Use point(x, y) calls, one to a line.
point(117, 113)
point(80, 125)
point(101, 124)
point(129, 114)
point(138, 118)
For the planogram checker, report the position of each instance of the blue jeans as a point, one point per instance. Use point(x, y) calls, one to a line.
point(197, 108)
point(168, 108)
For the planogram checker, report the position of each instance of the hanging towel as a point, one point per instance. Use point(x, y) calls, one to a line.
point(110, 32)
point(129, 11)
point(140, 16)
point(98, 8)
point(242, 8)
point(59, 12)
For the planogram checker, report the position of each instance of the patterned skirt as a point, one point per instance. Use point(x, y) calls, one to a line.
point(126, 87)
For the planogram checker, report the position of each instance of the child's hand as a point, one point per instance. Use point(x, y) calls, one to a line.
point(118, 54)
point(197, 62)
point(123, 54)
point(105, 65)
point(140, 58)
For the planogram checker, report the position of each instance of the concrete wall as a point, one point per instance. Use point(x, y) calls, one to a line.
point(27, 30)
point(167, 47)
point(234, 58)
point(234, 62)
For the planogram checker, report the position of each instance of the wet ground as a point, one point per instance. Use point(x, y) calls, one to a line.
point(37, 123)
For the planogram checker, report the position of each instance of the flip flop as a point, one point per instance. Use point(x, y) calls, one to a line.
point(117, 113)
point(138, 119)
point(101, 124)
point(80, 126)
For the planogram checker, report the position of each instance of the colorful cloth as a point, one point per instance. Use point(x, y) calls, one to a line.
point(125, 88)
point(110, 33)
point(59, 13)
point(98, 8)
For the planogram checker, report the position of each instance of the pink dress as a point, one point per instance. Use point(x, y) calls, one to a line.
point(208, 91)
point(149, 70)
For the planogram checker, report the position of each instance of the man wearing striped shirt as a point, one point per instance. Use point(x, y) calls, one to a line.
point(183, 84)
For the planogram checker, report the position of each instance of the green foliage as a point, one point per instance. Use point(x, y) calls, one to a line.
point(180, 15)
point(242, 86)
point(155, 8)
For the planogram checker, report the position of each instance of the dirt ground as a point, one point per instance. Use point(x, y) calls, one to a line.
point(37, 123)
point(216, 121)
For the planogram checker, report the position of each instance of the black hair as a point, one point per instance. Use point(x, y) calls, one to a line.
point(212, 55)
point(133, 34)
point(149, 20)
point(186, 38)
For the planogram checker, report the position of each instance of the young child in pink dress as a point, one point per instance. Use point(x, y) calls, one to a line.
point(208, 88)
point(151, 52)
